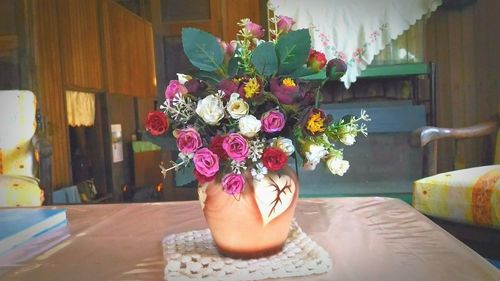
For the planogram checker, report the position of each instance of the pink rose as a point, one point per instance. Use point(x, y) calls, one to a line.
point(285, 23)
point(173, 88)
point(272, 121)
point(231, 47)
point(236, 147)
point(228, 48)
point(188, 140)
point(206, 162)
point(233, 183)
point(256, 30)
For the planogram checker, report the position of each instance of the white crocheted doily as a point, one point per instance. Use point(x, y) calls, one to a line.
point(193, 256)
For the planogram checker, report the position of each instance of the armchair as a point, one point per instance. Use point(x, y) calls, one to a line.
point(20, 151)
point(465, 202)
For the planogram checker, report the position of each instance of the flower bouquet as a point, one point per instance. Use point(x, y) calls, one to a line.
point(238, 121)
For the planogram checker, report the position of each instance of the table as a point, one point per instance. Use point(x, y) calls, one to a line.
point(369, 238)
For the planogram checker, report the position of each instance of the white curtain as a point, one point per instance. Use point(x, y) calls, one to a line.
point(353, 30)
point(81, 108)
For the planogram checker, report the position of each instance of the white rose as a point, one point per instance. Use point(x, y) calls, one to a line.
point(314, 154)
point(237, 107)
point(348, 139)
point(249, 126)
point(348, 134)
point(286, 145)
point(210, 109)
point(337, 166)
point(308, 166)
point(183, 78)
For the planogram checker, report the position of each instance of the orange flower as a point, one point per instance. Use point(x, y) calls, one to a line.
point(316, 122)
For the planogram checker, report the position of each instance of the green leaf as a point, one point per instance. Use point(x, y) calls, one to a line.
point(206, 76)
point(233, 66)
point(184, 176)
point(264, 59)
point(165, 141)
point(302, 72)
point(321, 75)
point(202, 49)
point(293, 50)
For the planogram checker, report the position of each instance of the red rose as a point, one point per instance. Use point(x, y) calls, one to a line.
point(316, 61)
point(274, 158)
point(156, 123)
point(202, 178)
point(216, 147)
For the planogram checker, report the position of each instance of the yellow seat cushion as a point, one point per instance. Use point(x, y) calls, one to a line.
point(469, 196)
point(19, 191)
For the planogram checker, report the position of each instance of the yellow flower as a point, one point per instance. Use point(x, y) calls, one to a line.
point(251, 88)
point(316, 124)
point(288, 82)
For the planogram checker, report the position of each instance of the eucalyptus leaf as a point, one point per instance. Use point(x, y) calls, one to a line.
point(264, 59)
point(293, 50)
point(202, 49)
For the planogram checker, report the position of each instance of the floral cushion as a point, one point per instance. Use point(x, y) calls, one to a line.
point(18, 191)
point(468, 196)
point(18, 126)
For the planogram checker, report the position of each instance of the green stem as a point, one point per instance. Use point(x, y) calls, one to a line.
point(317, 99)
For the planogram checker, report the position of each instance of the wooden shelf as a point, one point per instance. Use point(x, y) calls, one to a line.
point(384, 71)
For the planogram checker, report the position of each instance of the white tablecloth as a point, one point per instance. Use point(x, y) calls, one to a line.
point(354, 30)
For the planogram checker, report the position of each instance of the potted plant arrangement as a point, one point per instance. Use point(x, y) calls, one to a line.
point(239, 120)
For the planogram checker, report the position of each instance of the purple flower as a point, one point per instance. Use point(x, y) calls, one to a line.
point(195, 85)
point(188, 140)
point(233, 184)
point(206, 162)
point(256, 30)
point(236, 147)
point(173, 88)
point(228, 86)
point(285, 23)
point(285, 89)
point(335, 69)
point(272, 121)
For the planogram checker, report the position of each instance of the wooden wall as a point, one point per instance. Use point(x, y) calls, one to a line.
point(465, 44)
point(80, 44)
point(49, 87)
point(94, 46)
point(128, 46)
point(233, 11)
point(121, 111)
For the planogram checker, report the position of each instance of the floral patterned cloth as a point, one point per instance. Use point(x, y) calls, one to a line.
point(356, 30)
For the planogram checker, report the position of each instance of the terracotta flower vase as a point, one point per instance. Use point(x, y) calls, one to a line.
point(256, 222)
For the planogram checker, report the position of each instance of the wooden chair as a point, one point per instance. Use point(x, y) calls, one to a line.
point(24, 155)
point(43, 154)
point(483, 239)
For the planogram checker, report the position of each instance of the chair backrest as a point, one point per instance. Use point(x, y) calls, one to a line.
point(17, 127)
point(427, 137)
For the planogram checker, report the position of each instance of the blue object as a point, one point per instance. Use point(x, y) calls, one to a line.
point(495, 263)
point(21, 225)
point(67, 195)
